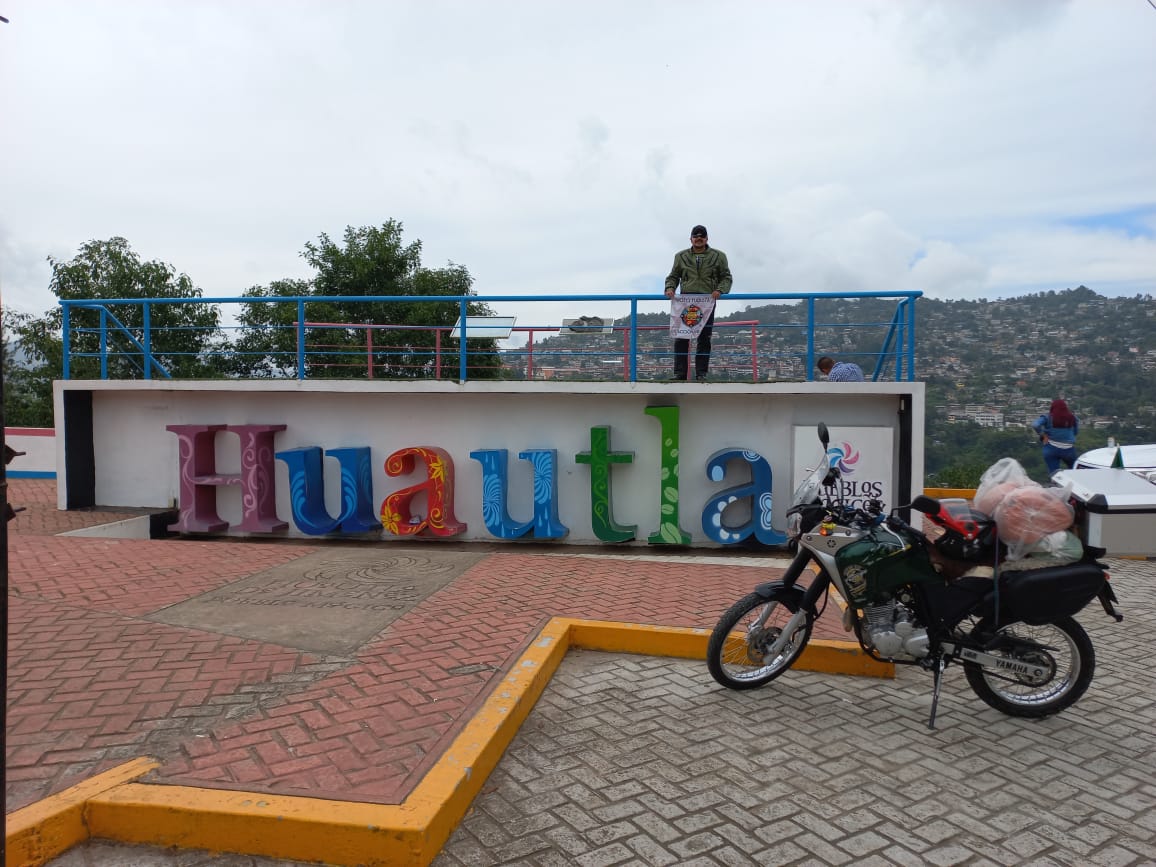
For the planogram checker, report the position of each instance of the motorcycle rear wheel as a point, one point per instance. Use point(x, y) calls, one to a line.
point(1065, 650)
point(735, 652)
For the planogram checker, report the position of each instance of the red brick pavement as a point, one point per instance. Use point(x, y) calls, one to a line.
point(85, 688)
point(38, 497)
point(91, 684)
point(133, 576)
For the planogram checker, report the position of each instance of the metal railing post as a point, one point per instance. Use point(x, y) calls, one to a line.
point(301, 340)
point(103, 343)
point(462, 344)
point(147, 359)
point(810, 339)
point(910, 339)
point(900, 346)
point(634, 340)
point(754, 353)
point(66, 347)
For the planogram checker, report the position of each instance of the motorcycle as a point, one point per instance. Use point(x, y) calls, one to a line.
point(916, 600)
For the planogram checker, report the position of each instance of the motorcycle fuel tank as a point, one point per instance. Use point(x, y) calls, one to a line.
point(880, 562)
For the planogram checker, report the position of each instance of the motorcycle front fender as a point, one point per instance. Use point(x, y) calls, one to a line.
point(786, 588)
point(794, 571)
point(778, 590)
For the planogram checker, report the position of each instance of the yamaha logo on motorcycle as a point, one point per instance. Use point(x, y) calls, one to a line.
point(914, 600)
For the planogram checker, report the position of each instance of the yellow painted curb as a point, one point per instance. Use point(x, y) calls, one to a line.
point(349, 833)
point(450, 787)
point(829, 657)
point(614, 637)
point(275, 826)
point(41, 831)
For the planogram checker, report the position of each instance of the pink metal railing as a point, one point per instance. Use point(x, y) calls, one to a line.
point(530, 331)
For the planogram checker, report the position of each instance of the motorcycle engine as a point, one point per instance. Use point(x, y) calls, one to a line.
point(892, 630)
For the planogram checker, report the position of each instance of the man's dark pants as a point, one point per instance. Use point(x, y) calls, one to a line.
point(701, 352)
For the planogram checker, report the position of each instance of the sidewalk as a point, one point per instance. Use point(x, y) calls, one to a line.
point(344, 672)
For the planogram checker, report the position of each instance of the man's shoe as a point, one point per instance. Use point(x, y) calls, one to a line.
point(700, 378)
point(676, 379)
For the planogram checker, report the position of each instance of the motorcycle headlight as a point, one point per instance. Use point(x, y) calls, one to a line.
point(804, 519)
point(795, 525)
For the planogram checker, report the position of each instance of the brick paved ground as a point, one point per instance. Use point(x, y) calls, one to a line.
point(92, 682)
point(824, 770)
point(41, 517)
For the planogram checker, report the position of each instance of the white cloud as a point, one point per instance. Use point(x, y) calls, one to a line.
point(949, 274)
point(969, 33)
point(952, 146)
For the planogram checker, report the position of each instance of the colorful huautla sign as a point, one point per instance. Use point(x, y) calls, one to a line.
point(397, 515)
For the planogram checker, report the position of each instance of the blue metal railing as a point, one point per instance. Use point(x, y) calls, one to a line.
point(897, 343)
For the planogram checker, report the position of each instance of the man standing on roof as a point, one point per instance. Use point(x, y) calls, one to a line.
point(699, 270)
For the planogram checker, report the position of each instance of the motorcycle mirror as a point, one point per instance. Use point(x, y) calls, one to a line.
point(824, 435)
point(926, 505)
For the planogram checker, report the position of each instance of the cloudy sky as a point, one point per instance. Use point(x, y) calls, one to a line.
point(965, 148)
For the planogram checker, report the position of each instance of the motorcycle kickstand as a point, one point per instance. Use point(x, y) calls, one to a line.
point(940, 664)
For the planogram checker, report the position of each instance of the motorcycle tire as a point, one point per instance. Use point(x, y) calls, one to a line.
point(734, 653)
point(1064, 648)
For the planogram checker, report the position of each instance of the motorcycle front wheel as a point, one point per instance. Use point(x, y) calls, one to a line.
point(736, 654)
point(1062, 648)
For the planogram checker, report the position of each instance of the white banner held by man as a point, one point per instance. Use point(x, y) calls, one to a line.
point(688, 314)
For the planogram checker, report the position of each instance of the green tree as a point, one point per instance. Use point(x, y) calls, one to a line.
point(27, 387)
point(370, 261)
point(957, 476)
point(179, 334)
point(956, 451)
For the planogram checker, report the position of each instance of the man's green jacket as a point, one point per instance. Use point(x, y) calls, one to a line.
point(711, 274)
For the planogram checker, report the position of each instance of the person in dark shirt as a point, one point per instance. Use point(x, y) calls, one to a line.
point(699, 270)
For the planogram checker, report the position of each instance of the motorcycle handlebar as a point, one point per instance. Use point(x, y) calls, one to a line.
point(894, 522)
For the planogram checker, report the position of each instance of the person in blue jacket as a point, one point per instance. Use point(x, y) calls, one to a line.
point(1057, 429)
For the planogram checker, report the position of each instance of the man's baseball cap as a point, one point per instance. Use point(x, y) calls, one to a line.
point(699, 231)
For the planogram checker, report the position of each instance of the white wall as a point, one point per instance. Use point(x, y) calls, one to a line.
point(39, 447)
point(136, 460)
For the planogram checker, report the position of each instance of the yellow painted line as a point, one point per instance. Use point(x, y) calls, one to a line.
point(41, 831)
point(829, 657)
point(950, 493)
point(350, 833)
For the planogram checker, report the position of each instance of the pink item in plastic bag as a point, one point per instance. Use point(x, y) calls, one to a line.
point(1003, 476)
point(1027, 514)
point(988, 498)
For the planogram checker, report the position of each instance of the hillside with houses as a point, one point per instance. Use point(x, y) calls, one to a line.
point(991, 367)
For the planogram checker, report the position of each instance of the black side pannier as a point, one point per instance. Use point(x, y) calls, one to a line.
point(1044, 595)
